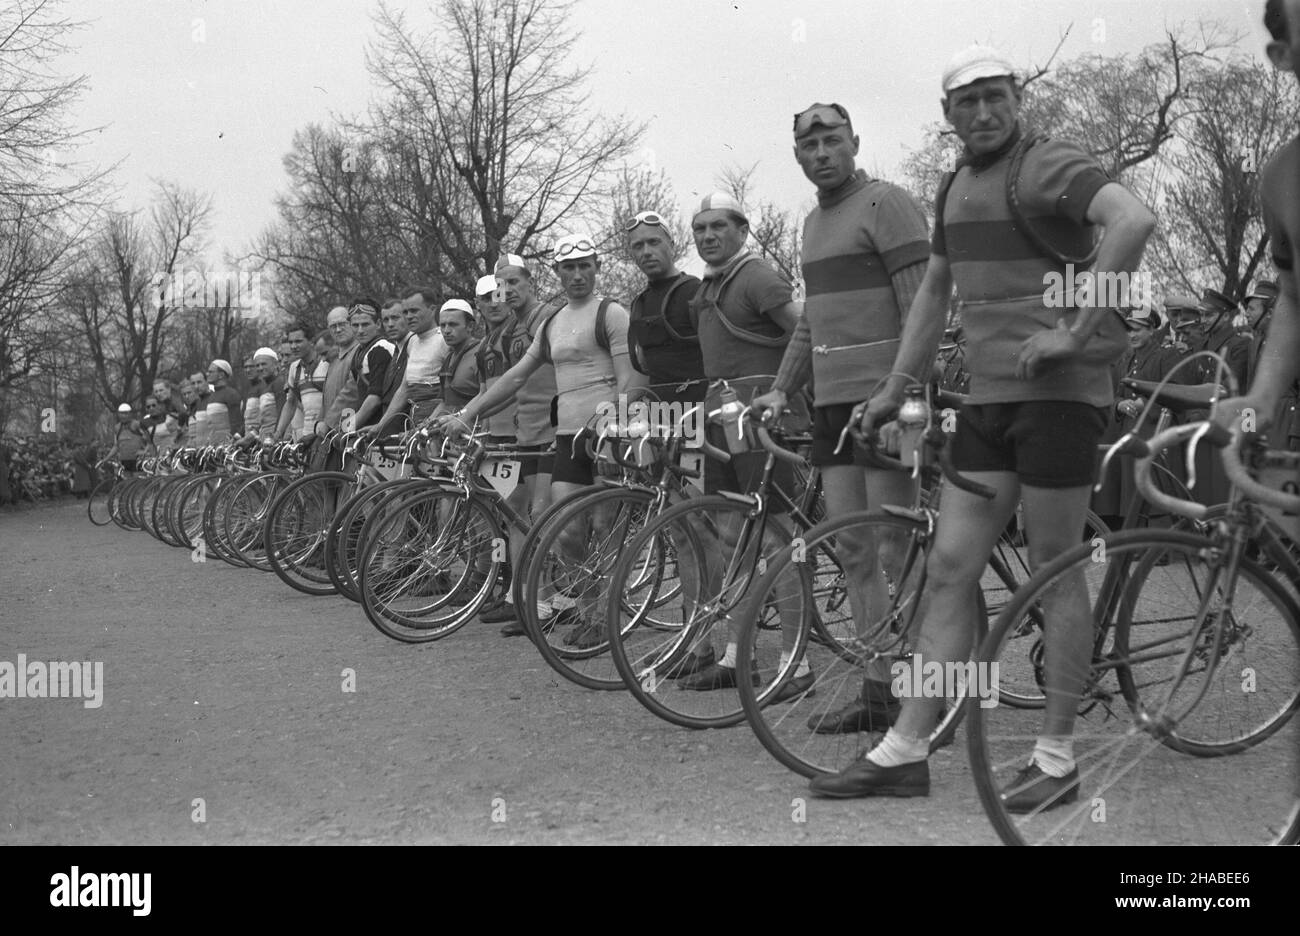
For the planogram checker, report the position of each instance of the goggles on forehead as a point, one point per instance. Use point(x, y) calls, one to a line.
point(652, 218)
point(583, 246)
point(828, 115)
point(366, 308)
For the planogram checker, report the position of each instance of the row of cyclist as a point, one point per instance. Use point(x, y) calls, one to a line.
point(647, 581)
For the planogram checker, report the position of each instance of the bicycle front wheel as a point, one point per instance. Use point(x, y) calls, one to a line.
point(1155, 604)
point(97, 503)
point(862, 577)
point(702, 556)
point(428, 563)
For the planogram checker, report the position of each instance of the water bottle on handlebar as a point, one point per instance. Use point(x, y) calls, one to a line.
point(733, 414)
point(913, 420)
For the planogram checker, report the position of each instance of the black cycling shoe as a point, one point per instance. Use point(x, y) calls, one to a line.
point(1032, 790)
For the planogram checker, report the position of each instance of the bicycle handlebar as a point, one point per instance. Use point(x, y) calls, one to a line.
point(781, 453)
point(1146, 452)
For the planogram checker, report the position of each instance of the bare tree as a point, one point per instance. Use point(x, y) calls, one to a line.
point(493, 85)
point(122, 295)
point(776, 234)
point(1212, 233)
point(47, 200)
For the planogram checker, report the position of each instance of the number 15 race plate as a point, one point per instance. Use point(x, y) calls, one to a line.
point(502, 474)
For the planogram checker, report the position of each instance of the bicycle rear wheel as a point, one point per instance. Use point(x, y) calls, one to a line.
point(719, 548)
point(1136, 719)
point(576, 550)
point(296, 527)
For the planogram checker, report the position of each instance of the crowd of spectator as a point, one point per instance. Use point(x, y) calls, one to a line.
point(34, 468)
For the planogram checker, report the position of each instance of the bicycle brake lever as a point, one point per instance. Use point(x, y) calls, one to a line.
point(1190, 457)
point(844, 434)
point(1106, 460)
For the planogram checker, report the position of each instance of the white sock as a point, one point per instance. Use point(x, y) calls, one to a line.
point(544, 611)
point(801, 670)
point(729, 658)
point(1054, 756)
point(510, 598)
point(897, 749)
point(562, 602)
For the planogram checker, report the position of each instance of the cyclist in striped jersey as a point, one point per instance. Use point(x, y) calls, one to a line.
point(223, 405)
point(304, 389)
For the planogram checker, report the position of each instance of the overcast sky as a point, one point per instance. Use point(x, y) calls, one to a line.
point(208, 93)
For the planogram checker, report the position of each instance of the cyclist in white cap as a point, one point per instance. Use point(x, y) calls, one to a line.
point(534, 429)
point(459, 373)
point(504, 344)
point(223, 405)
point(744, 314)
point(586, 341)
point(1017, 209)
point(271, 396)
point(130, 441)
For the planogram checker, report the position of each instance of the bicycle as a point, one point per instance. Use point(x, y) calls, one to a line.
point(430, 561)
point(1195, 653)
point(97, 504)
point(569, 552)
point(716, 546)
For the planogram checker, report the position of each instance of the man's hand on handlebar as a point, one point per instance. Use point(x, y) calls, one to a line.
point(451, 425)
point(768, 407)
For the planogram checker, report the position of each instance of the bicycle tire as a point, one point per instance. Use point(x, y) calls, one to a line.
point(296, 527)
point(596, 527)
point(791, 730)
point(97, 503)
point(428, 565)
point(645, 656)
point(1134, 787)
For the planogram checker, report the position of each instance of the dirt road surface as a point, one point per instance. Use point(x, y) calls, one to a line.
point(224, 686)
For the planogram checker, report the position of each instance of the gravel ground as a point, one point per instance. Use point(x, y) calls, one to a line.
point(226, 686)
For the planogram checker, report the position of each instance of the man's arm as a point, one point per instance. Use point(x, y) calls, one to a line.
point(796, 363)
point(627, 376)
point(1128, 224)
point(347, 399)
point(396, 408)
point(292, 402)
point(504, 390)
point(369, 405)
point(917, 347)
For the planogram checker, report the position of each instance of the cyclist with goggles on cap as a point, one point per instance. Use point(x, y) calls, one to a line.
point(586, 341)
point(864, 253)
point(661, 336)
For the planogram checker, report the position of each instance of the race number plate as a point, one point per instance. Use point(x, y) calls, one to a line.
point(388, 468)
point(502, 474)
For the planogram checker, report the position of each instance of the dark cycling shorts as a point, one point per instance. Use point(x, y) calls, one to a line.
point(828, 423)
point(535, 466)
point(129, 464)
point(1047, 443)
point(572, 463)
